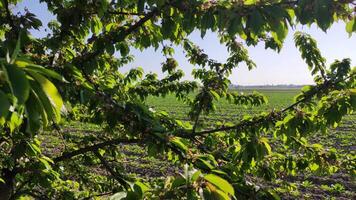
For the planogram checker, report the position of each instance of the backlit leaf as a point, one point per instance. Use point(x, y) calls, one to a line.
point(51, 92)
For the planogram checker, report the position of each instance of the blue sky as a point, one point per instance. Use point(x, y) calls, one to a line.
point(285, 67)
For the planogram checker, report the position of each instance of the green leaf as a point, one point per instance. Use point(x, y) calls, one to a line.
point(32, 149)
point(249, 2)
point(49, 160)
point(16, 51)
point(51, 93)
point(255, 21)
point(280, 32)
point(203, 164)
point(132, 196)
point(351, 26)
point(273, 195)
point(96, 25)
point(118, 196)
point(140, 188)
point(179, 181)
point(214, 94)
point(303, 12)
point(124, 49)
point(4, 105)
point(314, 166)
point(220, 195)
point(220, 183)
point(44, 71)
point(110, 49)
point(18, 82)
point(235, 25)
point(323, 13)
point(208, 21)
point(14, 122)
point(266, 145)
point(196, 175)
point(178, 142)
point(169, 27)
point(35, 112)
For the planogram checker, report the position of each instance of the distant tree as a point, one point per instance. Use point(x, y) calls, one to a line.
point(78, 61)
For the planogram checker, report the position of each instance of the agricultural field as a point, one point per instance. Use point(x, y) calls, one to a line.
point(226, 111)
point(341, 185)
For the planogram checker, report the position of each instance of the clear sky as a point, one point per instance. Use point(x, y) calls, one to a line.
point(285, 67)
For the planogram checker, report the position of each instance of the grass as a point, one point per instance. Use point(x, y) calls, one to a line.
point(134, 158)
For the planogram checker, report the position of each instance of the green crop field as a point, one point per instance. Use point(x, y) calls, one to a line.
point(340, 185)
point(277, 99)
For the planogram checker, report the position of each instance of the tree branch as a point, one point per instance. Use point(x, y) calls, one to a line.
point(115, 174)
point(114, 37)
point(125, 13)
point(69, 155)
point(271, 116)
